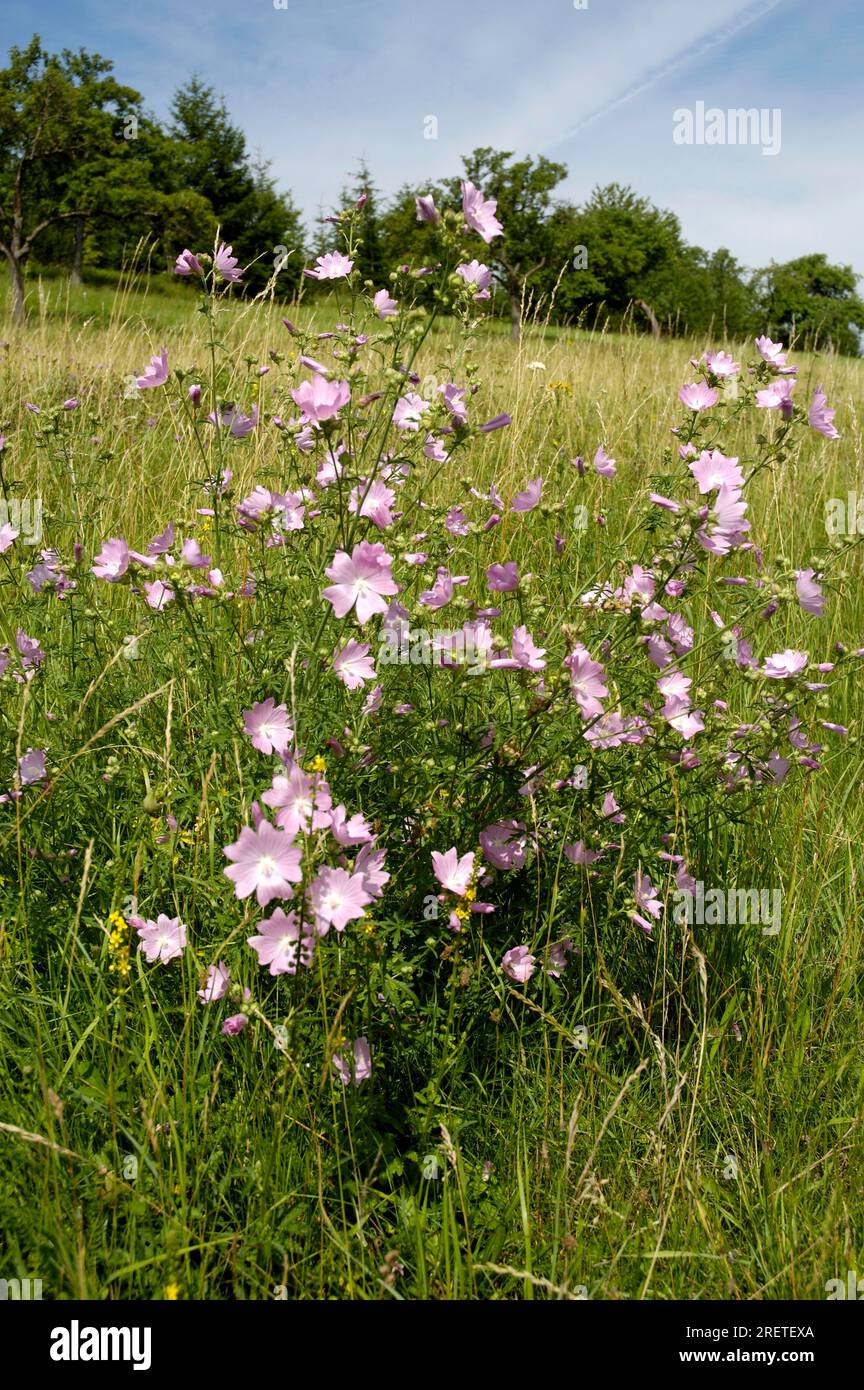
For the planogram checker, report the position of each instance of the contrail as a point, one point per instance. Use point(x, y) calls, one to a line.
point(687, 55)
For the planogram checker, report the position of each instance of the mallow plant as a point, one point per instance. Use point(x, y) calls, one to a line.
point(347, 748)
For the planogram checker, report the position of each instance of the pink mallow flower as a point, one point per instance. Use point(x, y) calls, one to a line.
point(698, 396)
point(646, 901)
point(353, 664)
point(265, 863)
point(783, 665)
point(503, 844)
point(588, 681)
point(162, 940)
point(267, 725)
point(502, 579)
point(603, 464)
point(713, 470)
point(320, 399)
point(479, 212)
point(156, 374)
point(31, 767)
point(384, 306)
point(526, 501)
point(453, 873)
point(226, 264)
point(426, 209)
point(187, 264)
point(361, 578)
point(337, 897)
point(282, 943)
point(519, 964)
point(476, 274)
point(809, 593)
point(332, 266)
point(362, 1063)
point(216, 983)
point(409, 411)
point(820, 416)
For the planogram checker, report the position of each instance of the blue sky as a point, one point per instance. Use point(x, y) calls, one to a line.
point(318, 85)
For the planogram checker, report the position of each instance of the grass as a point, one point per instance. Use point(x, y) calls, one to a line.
point(701, 1138)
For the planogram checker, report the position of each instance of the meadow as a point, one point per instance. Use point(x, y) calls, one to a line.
point(516, 1073)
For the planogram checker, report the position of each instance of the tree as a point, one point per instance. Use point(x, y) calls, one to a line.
point(813, 301)
point(523, 191)
point(57, 118)
point(629, 253)
point(212, 159)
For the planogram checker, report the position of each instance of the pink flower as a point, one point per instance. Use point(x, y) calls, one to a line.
point(235, 1024)
point(320, 399)
point(332, 266)
point(349, 831)
point(353, 665)
point(714, 470)
point(502, 579)
point(373, 500)
point(556, 960)
point(8, 534)
point(370, 863)
point(187, 264)
point(361, 578)
point(384, 306)
point(31, 767)
point(503, 844)
point(336, 898)
point(362, 1059)
point(603, 464)
point(158, 595)
point(728, 524)
point(820, 416)
point(112, 561)
point(809, 593)
point(409, 411)
point(477, 274)
point(162, 940)
point(282, 943)
point(216, 984)
point(646, 901)
point(265, 863)
point(783, 665)
point(441, 592)
point(776, 396)
point(721, 364)
point(525, 654)
point(266, 723)
point(301, 801)
point(772, 353)
point(426, 209)
point(580, 854)
point(453, 873)
point(526, 501)
point(698, 396)
point(156, 374)
point(587, 679)
point(479, 213)
point(519, 964)
point(226, 264)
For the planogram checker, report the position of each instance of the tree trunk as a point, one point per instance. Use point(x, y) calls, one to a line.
point(75, 277)
point(16, 283)
point(515, 317)
point(651, 317)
